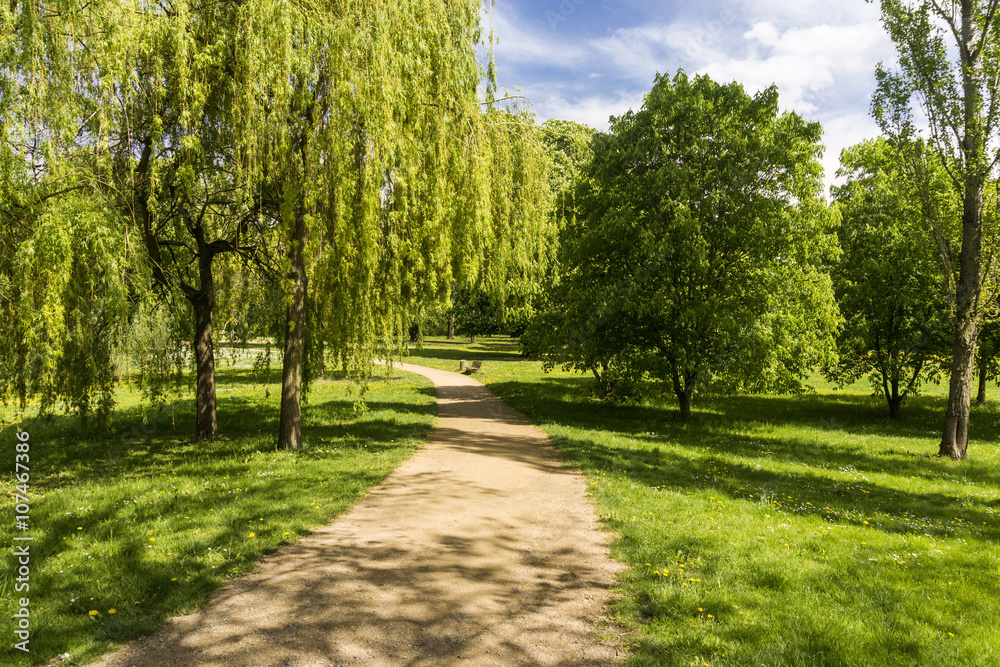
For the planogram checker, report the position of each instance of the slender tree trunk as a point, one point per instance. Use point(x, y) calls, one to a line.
point(894, 399)
point(290, 424)
point(451, 327)
point(415, 333)
point(683, 389)
point(473, 339)
point(607, 387)
point(983, 365)
point(203, 301)
point(955, 440)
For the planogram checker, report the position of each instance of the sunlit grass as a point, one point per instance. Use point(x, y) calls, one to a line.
point(141, 520)
point(779, 530)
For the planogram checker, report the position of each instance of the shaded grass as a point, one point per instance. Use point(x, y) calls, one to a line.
point(777, 530)
point(144, 521)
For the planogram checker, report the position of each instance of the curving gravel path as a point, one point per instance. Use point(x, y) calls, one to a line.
point(480, 550)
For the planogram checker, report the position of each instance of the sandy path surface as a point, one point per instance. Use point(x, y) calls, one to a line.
point(480, 550)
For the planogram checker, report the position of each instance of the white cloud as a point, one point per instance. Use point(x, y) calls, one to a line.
point(518, 45)
point(821, 56)
point(594, 111)
point(841, 132)
point(805, 63)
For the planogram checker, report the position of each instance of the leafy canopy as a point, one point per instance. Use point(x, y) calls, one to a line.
point(698, 248)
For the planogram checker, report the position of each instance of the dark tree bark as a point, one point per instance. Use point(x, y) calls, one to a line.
point(894, 399)
point(203, 302)
point(606, 386)
point(201, 298)
point(451, 327)
point(684, 390)
point(684, 403)
point(415, 333)
point(290, 423)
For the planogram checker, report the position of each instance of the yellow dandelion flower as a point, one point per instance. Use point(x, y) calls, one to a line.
point(111, 611)
point(251, 534)
point(93, 612)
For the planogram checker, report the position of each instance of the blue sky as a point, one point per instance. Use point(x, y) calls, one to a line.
point(586, 60)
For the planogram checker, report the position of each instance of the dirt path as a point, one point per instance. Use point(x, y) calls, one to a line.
point(480, 550)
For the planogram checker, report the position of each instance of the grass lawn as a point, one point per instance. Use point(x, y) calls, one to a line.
point(777, 530)
point(139, 522)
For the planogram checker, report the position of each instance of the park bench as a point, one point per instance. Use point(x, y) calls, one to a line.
point(464, 367)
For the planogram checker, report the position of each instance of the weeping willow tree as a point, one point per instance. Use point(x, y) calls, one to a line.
point(340, 147)
point(396, 182)
point(66, 283)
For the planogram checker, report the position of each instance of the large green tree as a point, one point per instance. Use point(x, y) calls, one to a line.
point(888, 281)
point(949, 61)
point(696, 255)
point(67, 284)
point(398, 182)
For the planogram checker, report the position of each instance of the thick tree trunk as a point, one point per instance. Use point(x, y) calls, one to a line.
point(290, 424)
point(451, 327)
point(473, 341)
point(684, 402)
point(203, 301)
point(955, 441)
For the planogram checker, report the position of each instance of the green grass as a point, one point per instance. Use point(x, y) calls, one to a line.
point(777, 530)
point(144, 521)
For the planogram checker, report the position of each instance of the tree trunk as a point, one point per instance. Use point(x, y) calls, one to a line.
point(290, 424)
point(683, 389)
point(415, 333)
point(684, 402)
point(451, 327)
point(473, 339)
point(894, 400)
point(607, 388)
point(203, 301)
point(983, 365)
point(955, 440)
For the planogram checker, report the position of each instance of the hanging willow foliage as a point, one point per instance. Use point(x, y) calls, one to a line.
point(395, 181)
point(65, 281)
point(339, 145)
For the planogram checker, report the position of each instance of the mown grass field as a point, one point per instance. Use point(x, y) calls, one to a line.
point(139, 522)
point(778, 530)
